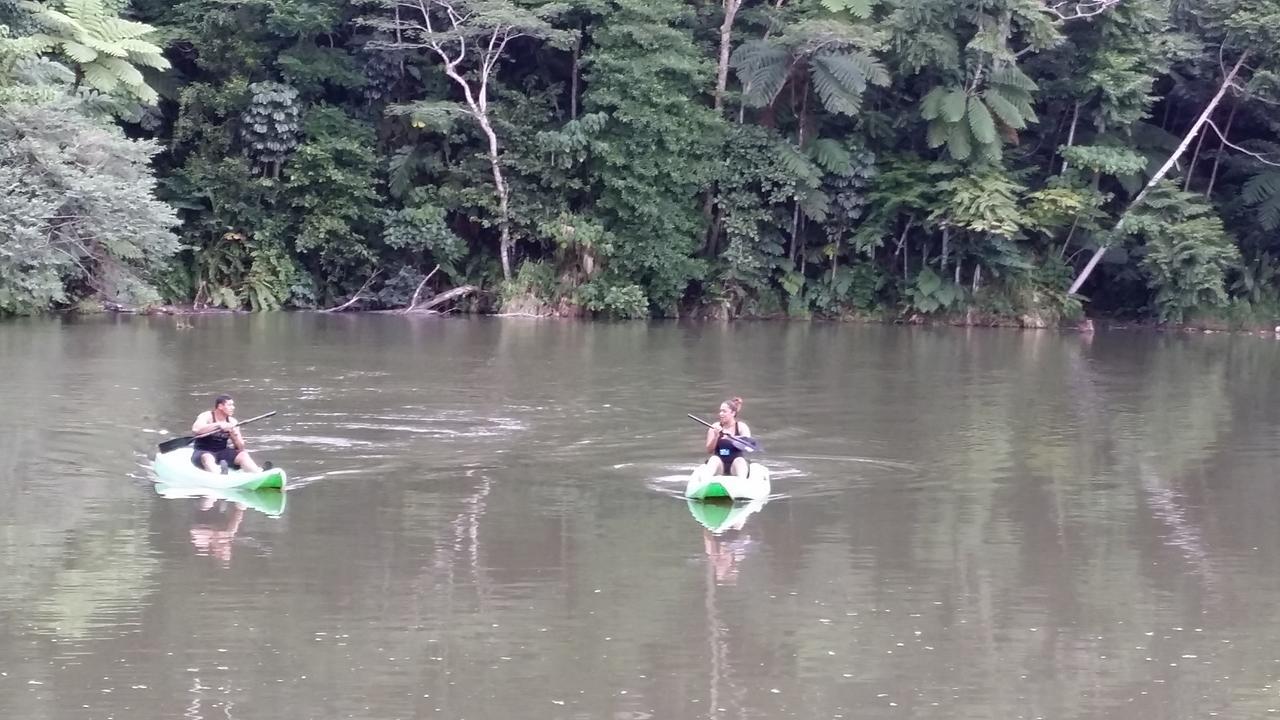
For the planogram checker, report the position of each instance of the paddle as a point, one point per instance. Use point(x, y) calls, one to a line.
point(175, 443)
point(745, 444)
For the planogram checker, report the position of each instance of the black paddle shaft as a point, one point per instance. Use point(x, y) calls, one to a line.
point(745, 444)
point(175, 443)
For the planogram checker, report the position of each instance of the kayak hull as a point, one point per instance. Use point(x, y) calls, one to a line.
point(703, 485)
point(723, 515)
point(268, 502)
point(175, 469)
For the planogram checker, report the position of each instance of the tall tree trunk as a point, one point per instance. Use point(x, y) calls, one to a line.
point(1164, 169)
point(1071, 134)
point(946, 239)
point(500, 186)
point(1191, 169)
point(1222, 146)
point(573, 75)
point(726, 44)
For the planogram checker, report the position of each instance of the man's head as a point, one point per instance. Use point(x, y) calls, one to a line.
point(224, 404)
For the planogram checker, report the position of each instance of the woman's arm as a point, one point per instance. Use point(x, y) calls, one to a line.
point(744, 430)
point(713, 434)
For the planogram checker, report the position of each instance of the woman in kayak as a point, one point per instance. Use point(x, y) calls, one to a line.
point(223, 447)
point(726, 458)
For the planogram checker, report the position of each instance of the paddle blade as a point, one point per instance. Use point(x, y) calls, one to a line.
point(175, 443)
point(745, 444)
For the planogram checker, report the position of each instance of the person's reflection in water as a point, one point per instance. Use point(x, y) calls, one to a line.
point(725, 550)
point(215, 538)
point(724, 540)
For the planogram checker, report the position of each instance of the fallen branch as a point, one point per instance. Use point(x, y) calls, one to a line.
point(414, 301)
point(444, 297)
point(358, 294)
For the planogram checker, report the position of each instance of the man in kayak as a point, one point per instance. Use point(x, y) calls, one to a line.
point(223, 447)
point(726, 458)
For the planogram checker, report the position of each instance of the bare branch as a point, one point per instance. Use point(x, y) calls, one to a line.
point(1233, 146)
point(359, 294)
point(1066, 10)
point(414, 301)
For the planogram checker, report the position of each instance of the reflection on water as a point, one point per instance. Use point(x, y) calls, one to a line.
point(488, 521)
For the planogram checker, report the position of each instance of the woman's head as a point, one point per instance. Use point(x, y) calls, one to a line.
point(730, 408)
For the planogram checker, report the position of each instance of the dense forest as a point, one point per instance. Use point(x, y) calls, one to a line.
point(967, 160)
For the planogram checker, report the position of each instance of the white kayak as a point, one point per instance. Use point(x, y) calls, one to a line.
point(175, 468)
point(703, 485)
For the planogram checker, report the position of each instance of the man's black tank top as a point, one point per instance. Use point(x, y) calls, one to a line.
point(213, 443)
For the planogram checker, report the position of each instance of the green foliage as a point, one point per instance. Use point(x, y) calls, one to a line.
point(105, 49)
point(836, 56)
point(981, 203)
point(655, 152)
point(310, 143)
point(1186, 254)
point(271, 123)
point(1104, 159)
point(78, 201)
point(1262, 193)
point(974, 124)
point(929, 293)
point(611, 298)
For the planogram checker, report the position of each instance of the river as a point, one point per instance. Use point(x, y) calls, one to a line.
point(485, 521)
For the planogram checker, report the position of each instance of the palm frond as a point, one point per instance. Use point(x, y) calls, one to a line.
point(1006, 111)
point(1011, 76)
point(953, 105)
point(980, 122)
point(931, 103)
point(959, 144)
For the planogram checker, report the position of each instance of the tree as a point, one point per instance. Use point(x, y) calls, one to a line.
point(470, 37)
point(79, 201)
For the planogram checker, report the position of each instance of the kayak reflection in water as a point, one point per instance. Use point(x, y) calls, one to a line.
point(214, 540)
point(726, 458)
point(225, 447)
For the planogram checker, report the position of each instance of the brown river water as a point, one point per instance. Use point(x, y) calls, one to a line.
point(486, 520)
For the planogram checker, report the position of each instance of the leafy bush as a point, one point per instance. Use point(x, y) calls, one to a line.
point(78, 205)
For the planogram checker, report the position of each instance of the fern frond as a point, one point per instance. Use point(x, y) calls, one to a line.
point(1263, 192)
point(858, 8)
point(103, 47)
point(79, 53)
point(762, 68)
point(793, 162)
point(127, 73)
point(980, 122)
point(53, 19)
point(100, 77)
point(835, 96)
point(815, 205)
point(129, 30)
point(849, 69)
point(1261, 187)
point(831, 155)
